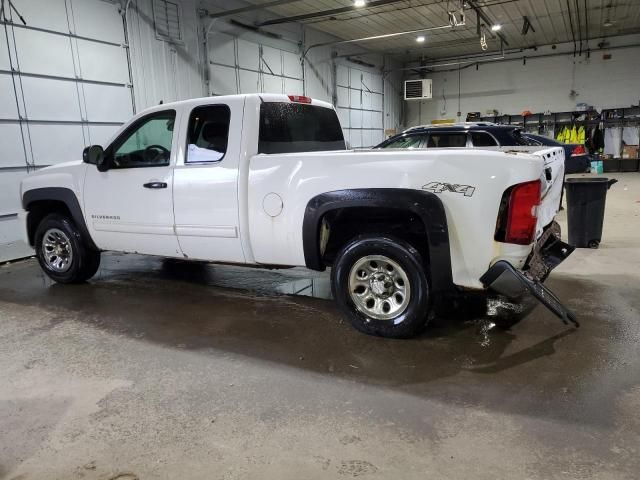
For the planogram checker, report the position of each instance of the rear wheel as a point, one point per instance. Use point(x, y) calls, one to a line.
point(62, 252)
point(380, 285)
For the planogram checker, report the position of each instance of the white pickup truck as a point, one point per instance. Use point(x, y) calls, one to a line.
point(267, 180)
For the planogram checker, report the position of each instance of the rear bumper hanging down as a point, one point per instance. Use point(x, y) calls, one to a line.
point(550, 251)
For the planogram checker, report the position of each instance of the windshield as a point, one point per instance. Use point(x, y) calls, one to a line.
point(409, 141)
point(295, 127)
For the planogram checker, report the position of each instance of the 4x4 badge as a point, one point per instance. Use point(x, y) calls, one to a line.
point(439, 187)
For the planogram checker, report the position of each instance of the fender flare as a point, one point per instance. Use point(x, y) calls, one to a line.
point(426, 205)
point(60, 194)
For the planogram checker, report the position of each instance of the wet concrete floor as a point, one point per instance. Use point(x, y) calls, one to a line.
point(167, 369)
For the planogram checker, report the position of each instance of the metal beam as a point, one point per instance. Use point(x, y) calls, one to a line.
point(485, 19)
point(374, 37)
point(325, 13)
point(249, 8)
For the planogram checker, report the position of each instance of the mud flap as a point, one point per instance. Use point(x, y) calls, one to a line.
point(506, 280)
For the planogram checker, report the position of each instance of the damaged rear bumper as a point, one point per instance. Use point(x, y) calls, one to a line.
point(549, 252)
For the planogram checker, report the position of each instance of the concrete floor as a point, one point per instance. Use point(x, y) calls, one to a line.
point(163, 369)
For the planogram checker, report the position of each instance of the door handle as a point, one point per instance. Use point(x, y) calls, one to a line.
point(155, 185)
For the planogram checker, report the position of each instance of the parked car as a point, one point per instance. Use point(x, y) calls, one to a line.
point(485, 135)
point(576, 157)
point(266, 179)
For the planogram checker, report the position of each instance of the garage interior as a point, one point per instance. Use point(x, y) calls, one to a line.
point(161, 368)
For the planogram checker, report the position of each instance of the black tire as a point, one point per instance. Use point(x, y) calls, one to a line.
point(408, 322)
point(84, 261)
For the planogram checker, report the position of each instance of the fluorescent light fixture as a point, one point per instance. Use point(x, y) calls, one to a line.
point(607, 24)
point(496, 27)
point(359, 3)
point(420, 39)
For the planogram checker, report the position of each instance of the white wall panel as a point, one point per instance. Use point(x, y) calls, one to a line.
point(106, 103)
point(4, 55)
point(54, 144)
point(40, 52)
point(50, 99)
point(355, 119)
point(293, 87)
point(49, 14)
point(97, 19)
point(105, 63)
point(343, 96)
point(271, 83)
point(10, 192)
point(248, 55)
point(376, 101)
point(342, 75)
point(101, 134)
point(7, 98)
point(223, 80)
point(12, 152)
point(291, 64)
point(343, 116)
point(222, 49)
point(249, 82)
point(273, 59)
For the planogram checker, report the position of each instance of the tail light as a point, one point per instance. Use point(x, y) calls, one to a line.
point(299, 99)
point(578, 150)
point(517, 218)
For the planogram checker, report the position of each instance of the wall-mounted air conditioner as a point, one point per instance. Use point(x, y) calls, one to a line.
point(417, 89)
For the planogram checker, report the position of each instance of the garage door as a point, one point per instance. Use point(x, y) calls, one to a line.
point(64, 84)
point(240, 66)
point(360, 101)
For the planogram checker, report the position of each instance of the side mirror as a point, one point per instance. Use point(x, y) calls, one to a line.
point(94, 155)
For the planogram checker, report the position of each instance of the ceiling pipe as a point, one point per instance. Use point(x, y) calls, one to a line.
point(503, 58)
point(375, 37)
point(326, 13)
point(249, 8)
point(573, 35)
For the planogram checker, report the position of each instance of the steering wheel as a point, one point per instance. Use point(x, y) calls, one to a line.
point(158, 151)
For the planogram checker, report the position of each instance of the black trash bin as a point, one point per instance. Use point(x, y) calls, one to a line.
point(585, 209)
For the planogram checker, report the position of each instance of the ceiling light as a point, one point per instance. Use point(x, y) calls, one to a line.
point(496, 27)
point(359, 3)
point(420, 39)
point(607, 24)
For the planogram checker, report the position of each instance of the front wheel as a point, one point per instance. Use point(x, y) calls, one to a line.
point(380, 285)
point(62, 252)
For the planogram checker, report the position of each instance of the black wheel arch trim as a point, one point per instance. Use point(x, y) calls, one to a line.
point(60, 194)
point(425, 205)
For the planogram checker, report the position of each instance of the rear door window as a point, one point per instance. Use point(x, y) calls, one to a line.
point(208, 133)
point(483, 139)
point(296, 127)
point(447, 139)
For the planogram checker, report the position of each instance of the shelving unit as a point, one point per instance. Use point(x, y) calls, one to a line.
point(544, 123)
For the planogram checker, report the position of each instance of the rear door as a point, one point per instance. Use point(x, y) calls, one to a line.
point(206, 182)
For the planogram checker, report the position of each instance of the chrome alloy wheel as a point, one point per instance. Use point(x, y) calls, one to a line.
point(56, 250)
point(379, 287)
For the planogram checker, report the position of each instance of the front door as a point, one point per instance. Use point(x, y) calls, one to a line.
point(129, 207)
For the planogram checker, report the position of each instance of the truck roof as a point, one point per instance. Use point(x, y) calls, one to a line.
point(265, 97)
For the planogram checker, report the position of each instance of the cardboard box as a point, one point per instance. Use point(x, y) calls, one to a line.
point(630, 151)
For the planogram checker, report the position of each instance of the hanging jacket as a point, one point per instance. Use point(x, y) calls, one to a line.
point(573, 135)
point(582, 136)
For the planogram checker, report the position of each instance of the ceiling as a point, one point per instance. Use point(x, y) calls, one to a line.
point(551, 22)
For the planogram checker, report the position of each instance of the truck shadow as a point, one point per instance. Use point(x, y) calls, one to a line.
point(183, 305)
